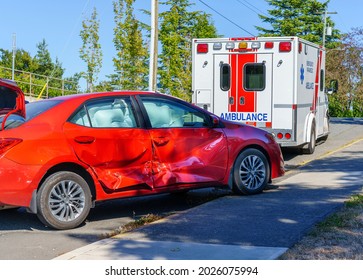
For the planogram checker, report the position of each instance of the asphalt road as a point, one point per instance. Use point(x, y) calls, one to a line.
point(22, 236)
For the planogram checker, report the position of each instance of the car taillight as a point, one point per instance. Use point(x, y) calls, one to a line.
point(7, 143)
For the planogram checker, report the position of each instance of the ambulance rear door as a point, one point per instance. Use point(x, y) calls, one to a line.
point(249, 96)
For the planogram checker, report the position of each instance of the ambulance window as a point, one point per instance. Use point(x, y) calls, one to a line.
point(254, 77)
point(225, 82)
point(322, 78)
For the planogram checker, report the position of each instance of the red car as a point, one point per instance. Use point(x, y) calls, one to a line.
point(73, 151)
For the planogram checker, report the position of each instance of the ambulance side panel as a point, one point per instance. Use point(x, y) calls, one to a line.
point(308, 67)
point(284, 90)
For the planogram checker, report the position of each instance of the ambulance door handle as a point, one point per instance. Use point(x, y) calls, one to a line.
point(231, 100)
point(242, 100)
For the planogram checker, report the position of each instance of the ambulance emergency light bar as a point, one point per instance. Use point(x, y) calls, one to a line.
point(283, 46)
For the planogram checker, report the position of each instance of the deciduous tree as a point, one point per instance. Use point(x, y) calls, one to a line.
point(23, 60)
point(344, 64)
point(90, 51)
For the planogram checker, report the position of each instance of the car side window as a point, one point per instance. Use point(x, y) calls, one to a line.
point(108, 112)
point(168, 113)
point(81, 117)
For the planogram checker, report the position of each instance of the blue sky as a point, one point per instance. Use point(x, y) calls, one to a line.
point(59, 23)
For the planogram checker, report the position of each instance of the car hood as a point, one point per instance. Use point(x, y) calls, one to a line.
point(12, 99)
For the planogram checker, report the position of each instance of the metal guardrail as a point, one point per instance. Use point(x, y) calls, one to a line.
point(39, 86)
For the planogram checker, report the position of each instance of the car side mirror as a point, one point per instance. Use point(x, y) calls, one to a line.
point(215, 121)
point(333, 87)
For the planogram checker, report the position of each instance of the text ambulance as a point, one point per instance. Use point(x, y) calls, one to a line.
point(275, 83)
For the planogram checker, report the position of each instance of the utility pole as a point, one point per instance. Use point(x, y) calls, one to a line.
point(324, 31)
point(14, 53)
point(153, 64)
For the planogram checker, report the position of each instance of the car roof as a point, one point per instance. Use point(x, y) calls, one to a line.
point(100, 94)
point(82, 97)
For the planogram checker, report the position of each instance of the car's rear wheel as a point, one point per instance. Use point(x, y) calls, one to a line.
point(251, 172)
point(63, 200)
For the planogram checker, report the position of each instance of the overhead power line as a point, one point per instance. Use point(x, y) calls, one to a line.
point(251, 7)
point(226, 18)
point(65, 46)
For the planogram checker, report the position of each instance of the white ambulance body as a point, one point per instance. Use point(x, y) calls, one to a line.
point(275, 83)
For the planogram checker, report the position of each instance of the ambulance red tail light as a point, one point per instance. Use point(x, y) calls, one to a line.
point(287, 135)
point(285, 47)
point(202, 48)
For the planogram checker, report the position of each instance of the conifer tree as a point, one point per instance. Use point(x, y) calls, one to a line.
point(302, 18)
point(177, 29)
point(131, 61)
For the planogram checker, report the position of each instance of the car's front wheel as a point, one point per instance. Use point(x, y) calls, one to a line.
point(63, 200)
point(251, 172)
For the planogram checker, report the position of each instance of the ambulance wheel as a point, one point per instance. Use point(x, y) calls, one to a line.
point(251, 172)
point(310, 149)
point(325, 137)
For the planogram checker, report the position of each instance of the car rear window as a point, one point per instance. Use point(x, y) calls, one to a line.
point(33, 109)
point(36, 108)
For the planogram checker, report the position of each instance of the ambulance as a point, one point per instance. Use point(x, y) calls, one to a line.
point(274, 83)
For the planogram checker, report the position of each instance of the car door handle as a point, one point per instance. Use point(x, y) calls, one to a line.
point(160, 141)
point(84, 139)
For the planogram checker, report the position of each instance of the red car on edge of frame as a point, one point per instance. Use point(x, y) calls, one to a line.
point(70, 152)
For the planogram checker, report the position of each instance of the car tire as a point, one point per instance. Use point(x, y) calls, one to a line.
point(251, 172)
point(63, 200)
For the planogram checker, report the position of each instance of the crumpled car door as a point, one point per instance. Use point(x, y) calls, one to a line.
point(116, 149)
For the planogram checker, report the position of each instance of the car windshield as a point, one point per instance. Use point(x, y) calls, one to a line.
point(33, 109)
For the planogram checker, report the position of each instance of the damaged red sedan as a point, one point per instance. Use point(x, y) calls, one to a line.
point(68, 153)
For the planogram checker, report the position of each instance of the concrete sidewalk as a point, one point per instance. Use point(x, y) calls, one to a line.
point(259, 227)
point(132, 247)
